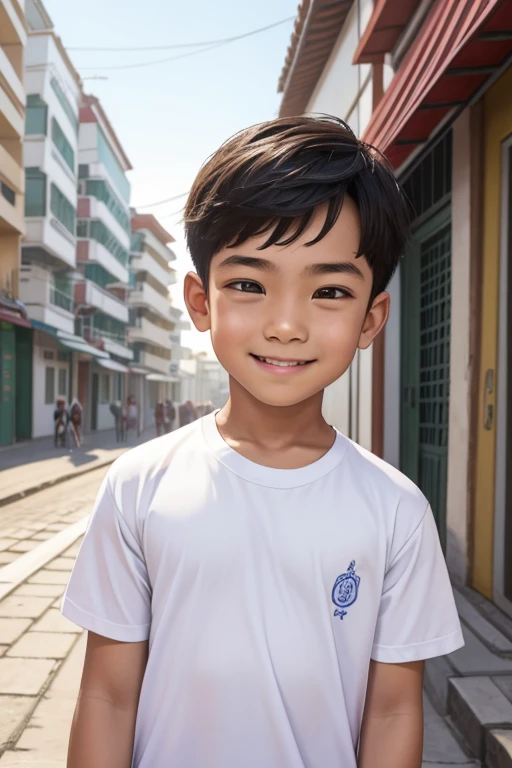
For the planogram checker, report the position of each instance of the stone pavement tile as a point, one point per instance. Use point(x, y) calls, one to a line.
point(43, 536)
point(73, 550)
point(504, 683)
point(42, 645)
point(25, 546)
point(40, 590)
point(476, 659)
point(7, 557)
point(47, 734)
point(49, 577)
point(56, 527)
point(6, 543)
point(3, 649)
point(58, 603)
point(54, 621)
point(37, 527)
point(475, 704)
point(60, 564)
point(24, 677)
point(14, 710)
point(24, 607)
point(11, 629)
point(440, 745)
point(22, 533)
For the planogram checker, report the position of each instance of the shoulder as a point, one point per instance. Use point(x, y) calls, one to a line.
point(400, 502)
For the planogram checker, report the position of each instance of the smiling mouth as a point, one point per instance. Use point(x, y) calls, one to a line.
point(282, 363)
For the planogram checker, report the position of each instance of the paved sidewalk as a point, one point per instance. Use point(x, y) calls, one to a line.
point(28, 467)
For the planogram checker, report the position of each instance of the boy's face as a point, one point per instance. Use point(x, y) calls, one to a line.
point(285, 322)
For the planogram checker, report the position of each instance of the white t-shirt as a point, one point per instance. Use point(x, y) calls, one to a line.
point(264, 594)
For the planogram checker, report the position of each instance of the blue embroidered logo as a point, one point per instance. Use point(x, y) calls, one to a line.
point(345, 590)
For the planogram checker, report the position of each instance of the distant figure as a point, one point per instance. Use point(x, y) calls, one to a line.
point(75, 421)
point(131, 414)
point(116, 409)
point(169, 415)
point(187, 413)
point(60, 418)
point(159, 418)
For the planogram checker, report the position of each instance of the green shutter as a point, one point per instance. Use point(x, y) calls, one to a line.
point(36, 116)
point(62, 209)
point(35, 192)
point(63, 145)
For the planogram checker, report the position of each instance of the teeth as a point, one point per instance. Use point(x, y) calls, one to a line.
point(280, 363)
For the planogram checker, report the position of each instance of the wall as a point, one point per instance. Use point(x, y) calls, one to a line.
point(392, 376)
point(42, 414)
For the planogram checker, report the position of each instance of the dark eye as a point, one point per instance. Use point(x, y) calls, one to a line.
point(330, 293)
point(246, 286)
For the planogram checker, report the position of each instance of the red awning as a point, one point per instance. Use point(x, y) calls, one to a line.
point(14, 318)
point(460, 45)
point(387, 22)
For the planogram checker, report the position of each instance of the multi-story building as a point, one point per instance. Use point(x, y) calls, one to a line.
point(49, 246)
point(15, 339)
point(155, 323)
point(103, 254)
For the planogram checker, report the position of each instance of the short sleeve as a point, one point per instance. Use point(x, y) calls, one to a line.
point(109, 591)
point(417, 617)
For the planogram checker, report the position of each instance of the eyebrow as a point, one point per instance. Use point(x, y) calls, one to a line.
point(330, 267)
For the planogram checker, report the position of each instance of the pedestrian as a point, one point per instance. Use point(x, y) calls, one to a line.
point(132, 414)
point(60, 420)
point(260, 591)
point(187, 413)
point(159, 418)
point(75, 421)
point(169, 415)
point(116, 409)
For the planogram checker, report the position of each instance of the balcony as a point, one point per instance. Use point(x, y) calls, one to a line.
point(146, 331)
point(114, 343)
point(12, 219)
point(163, 251)
point(154, 362)
point(12, 82)
point(43, 301)
point(48, 233)
point(98, 210)
point(95, 253)
point(145, 296)
point(11, 172)
point(143, 262)
point(12, 30)
point(89, 294)
point(12, 122)
point(40, 152)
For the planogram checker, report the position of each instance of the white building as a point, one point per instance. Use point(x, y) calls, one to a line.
point(49, 245)
point(103, 255)
point(155, 324)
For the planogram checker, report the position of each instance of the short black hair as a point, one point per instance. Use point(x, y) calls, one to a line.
point(271, 178)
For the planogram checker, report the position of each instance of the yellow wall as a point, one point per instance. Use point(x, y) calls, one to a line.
point(498, 125)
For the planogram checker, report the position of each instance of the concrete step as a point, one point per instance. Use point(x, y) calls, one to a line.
point(483, 716)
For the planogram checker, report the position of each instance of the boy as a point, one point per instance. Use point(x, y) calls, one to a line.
point(259, 591)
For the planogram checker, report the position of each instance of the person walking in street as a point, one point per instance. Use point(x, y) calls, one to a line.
point(60, 419)
point(169, 415)
point(116, 409)
point(75, 421)
point(159, 418)
point(259, 590)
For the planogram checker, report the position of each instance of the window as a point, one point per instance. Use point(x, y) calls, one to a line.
point(65, 104)
point(98, 231)
point(83, 171)
point(8, 193)
point(63, 382)
point(102, 191)
point(49, 386)
point(137, 243)
point(111, 163)
point(62, 209)
point(105, 387)
point(63, 145)
point(36, 116)
point(35, 192)
point(99, 275)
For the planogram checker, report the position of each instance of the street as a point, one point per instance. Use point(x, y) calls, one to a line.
point(42, 652)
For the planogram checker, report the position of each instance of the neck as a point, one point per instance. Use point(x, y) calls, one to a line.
point(244, 418)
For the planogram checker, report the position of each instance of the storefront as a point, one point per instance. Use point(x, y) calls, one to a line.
point(15, 372)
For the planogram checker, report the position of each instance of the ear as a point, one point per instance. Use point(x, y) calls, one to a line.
point(375, 320)
point(197, 302)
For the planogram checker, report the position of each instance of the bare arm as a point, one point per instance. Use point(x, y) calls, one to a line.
point(103, 727)
point(392, 728)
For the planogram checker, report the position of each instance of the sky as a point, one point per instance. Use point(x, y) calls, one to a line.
point(171, 116)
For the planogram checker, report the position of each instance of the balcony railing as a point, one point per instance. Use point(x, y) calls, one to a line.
point(60, 299)
point(92, 334)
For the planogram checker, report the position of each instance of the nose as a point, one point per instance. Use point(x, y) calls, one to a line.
point(286, 323)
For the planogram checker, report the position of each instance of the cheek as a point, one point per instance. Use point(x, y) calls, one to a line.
point(340, 331)
point(230, 323)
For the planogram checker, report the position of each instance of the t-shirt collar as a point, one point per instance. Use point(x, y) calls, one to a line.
point(269, 476)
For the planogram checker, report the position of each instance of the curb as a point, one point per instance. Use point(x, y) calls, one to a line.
point(54, 481)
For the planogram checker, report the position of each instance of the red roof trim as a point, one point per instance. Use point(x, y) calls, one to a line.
point(148, 221)
point(387, 22)
point(433, 78)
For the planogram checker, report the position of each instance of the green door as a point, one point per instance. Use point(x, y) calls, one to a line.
point(23, 409)
point(426, 305)
point(7, 383)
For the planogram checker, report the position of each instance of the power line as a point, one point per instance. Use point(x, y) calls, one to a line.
point(161, 202)
point(222, 41)
point(157, 61)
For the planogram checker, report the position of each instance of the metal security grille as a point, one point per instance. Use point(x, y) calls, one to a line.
point(434, 373)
